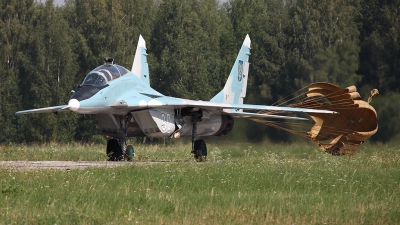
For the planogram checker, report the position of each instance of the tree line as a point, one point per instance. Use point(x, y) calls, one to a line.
point(47, 50)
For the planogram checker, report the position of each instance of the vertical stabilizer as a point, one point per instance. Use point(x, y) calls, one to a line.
point(140, 67)
point(235, 87)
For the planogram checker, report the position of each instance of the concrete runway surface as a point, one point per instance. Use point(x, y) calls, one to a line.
point(61, 165)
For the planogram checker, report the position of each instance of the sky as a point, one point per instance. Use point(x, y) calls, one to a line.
point(58, 2)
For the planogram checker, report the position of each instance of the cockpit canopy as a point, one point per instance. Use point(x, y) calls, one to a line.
point(103, 74)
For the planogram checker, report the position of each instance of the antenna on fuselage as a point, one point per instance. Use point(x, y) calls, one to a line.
point(108, 61)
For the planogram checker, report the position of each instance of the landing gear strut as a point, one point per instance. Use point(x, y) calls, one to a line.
point(117, 150)
point(199, 148)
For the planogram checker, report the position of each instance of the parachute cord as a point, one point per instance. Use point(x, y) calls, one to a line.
point(312, 101)
point(285, 99)
point(297, 128)
point(278, 103)
point(329, 132)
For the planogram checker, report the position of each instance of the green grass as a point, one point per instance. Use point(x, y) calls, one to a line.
point(239, 184)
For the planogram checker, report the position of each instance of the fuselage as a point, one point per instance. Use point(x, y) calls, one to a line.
point(111, 91)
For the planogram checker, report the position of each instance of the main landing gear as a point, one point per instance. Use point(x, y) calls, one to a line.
point(199, 148)
point(114, 152)
point(117, 150)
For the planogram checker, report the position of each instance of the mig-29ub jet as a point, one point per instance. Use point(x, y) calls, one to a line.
point(126, 105)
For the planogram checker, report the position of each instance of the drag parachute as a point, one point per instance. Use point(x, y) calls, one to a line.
point(337, 134)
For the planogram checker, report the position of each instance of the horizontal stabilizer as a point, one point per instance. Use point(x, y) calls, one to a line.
point(259, 115)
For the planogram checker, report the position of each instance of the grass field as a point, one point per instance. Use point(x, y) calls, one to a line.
point(239, 184)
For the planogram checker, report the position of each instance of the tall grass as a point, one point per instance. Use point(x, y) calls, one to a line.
point(239, 184)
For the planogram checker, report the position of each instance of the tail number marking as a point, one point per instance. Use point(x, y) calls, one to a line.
point(166, 122)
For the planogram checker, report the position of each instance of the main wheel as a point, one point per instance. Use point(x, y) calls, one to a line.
point(129, 154)
point(114, 152)
point(200, 150)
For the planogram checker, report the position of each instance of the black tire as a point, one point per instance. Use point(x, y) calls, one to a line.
point(200, 150)
point(114, 151)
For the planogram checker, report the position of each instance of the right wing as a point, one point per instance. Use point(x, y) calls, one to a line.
point(159, 101)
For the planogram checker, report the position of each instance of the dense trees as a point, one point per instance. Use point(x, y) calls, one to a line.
point(186, 43)
point(47, 68)
point(15, 19)
point(46, 51)
point(380, 61)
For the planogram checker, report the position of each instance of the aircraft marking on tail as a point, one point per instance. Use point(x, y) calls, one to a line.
point(240, 71)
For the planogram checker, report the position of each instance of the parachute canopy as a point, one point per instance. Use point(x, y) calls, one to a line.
point(337, 134)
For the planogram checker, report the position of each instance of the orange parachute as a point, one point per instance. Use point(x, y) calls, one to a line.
point(337, 134)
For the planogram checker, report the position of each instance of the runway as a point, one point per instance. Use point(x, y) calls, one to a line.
point(62, 165)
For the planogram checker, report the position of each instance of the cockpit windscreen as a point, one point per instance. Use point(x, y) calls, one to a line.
point(95, 79)
point(112, 71)
point(102, 74)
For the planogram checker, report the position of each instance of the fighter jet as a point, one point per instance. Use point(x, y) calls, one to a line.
point(127, 106)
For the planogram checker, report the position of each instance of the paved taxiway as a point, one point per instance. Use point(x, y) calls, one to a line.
point(62, 165)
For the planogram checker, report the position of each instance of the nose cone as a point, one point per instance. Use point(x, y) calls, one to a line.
point(73, 104)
